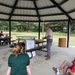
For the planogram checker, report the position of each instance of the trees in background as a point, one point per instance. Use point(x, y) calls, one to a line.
point(33, 26)
point(4, 25)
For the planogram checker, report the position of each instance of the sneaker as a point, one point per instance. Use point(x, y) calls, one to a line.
point(55, 69)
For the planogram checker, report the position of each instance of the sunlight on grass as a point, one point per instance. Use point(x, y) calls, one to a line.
point(56, 36)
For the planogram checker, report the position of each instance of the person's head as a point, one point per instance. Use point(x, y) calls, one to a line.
point(6, 34)
point(1, 32)
point(16, 50)
point(47, 26)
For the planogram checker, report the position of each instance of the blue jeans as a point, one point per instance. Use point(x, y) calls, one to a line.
point(49, 43)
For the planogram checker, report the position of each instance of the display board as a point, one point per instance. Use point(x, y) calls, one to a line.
point(29, 45)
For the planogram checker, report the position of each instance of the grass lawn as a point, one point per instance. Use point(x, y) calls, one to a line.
point(56, 36)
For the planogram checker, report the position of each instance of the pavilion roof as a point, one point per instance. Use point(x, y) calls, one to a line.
point(37, 10)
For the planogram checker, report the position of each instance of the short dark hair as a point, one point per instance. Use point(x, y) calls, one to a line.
point(48, 25)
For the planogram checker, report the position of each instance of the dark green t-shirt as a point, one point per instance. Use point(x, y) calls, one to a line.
point(18, 64)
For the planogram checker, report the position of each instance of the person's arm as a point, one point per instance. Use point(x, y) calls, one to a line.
point(28, 70)
point(8, 71)
point(69, 71)
point(46, 37)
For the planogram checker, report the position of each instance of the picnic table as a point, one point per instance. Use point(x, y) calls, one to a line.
point(19, 38)
point(38, 41)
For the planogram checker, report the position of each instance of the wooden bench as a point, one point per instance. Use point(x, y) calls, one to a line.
point(36, 48)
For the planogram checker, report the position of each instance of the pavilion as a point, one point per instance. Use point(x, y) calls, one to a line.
point(38, 11)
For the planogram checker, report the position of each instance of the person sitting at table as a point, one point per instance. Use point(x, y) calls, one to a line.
point(1, 38)
point(1, 34)
point(6, 39)
point(6, 36)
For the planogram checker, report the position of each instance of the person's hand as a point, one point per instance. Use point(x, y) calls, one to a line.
point(48, 36)
point(42, 38)
point(68, 71)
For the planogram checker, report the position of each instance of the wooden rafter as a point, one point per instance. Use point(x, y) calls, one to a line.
point(16, 1)
point(43, 15)
point(61, 9)
point(36, 8)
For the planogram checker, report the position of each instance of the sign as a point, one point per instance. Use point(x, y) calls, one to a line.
point(29, 45)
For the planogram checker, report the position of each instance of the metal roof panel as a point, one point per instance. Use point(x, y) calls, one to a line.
point(24, 18)
point(72, 15)
point(43, 3)
point(23, 3)
point(5, 9)
point(22, 11)
point(49, 11)
point(3, 16)
point(69, 5)
point(61, 17)
point(36, 9)
point(8, 2)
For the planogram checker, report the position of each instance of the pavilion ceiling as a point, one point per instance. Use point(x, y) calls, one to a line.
point(37, 10)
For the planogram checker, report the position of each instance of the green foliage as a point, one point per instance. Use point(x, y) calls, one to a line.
point(33, 26)
point(73, 32)
point(4, 25)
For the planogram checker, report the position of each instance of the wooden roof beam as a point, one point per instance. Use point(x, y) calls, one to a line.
point(71, 11)
point(16, 1)
point(5, 5)
point(59, 7)
point(36, 8)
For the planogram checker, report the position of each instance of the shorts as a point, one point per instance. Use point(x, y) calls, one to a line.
point(67, 66)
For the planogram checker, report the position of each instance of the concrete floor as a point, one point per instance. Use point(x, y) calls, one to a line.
point(38, 64)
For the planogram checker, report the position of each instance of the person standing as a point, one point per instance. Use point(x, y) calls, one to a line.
point(49, 37)
point(18, 62)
